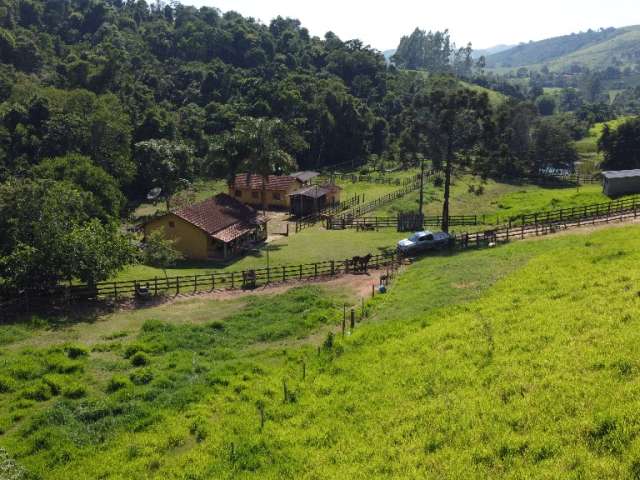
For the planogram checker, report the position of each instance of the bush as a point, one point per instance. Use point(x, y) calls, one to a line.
point(199, 430)
point(140, 359)
point(60, 364)
point(55, 383)
point(74, 391)
point(40, 392)
point(7, 385)
point(480, 190)
point(117, 382)
point(76, 351)
point(438, 182)
point(141, 377)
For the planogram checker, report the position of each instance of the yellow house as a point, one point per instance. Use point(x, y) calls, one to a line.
point(217, 229)
point(247, 188)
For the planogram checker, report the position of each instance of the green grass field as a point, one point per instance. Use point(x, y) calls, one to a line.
point(515, 362)
point(498, 200)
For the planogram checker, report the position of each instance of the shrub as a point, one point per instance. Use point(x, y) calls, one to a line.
point(140, 359)
point(141, 377)
point(117, 382)
point(199, 430)
point(7, 385)
point(60, 364)
point(328, 342)
point(74, 391)
point(55, 383)
point(218, 326)
point(76, 351)
point(40, 392)
point(480, 190)
point(438, 182)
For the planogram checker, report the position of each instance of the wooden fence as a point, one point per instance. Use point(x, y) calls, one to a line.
point(311, 220)
point(543, 225)
point(355, 178)
point(34, 299)
point(585, 212)
point(363, 209)
point(376, 223)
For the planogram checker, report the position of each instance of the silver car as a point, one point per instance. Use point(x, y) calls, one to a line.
point(423, 241)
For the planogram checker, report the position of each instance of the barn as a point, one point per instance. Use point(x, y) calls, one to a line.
point(622, 182)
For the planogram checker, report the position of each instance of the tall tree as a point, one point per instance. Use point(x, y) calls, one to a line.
point(261, 146)
point(453, 121)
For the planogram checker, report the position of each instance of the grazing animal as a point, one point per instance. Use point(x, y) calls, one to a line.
point(361, 264)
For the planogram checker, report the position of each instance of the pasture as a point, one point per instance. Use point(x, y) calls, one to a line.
point(503, 363)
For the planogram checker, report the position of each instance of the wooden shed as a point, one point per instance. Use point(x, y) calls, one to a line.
point(621, 182)
point(313, 198)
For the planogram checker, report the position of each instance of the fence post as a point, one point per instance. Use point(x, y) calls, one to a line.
point(233, 280)
point(353, 319)
point(195, 284)
point(155, 286)
point(177, 285)
point(333, 268)
point(284, 274)
point(315, 270)
point(213, 282)
point(115, 290)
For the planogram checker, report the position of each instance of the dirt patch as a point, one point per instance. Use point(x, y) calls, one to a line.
point(360, 285)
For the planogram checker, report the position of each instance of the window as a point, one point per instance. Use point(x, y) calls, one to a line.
point(276, 196)
point(238, 193)
point(172, 224)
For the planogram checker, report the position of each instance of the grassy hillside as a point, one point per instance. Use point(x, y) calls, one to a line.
point(591, 49)
point(504, 363)
point(588, 147)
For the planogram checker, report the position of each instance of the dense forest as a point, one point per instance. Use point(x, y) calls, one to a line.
point(103, 100)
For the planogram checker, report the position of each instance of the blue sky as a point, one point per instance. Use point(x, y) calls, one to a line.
point(483, 22)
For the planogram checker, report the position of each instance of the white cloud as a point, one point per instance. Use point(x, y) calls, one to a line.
point(485, 23)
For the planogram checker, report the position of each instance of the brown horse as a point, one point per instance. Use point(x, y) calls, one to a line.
point(361, 264)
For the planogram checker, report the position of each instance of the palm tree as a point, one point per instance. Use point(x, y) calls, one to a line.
point(256, 145)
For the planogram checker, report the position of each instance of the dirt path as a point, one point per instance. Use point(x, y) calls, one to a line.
point(360, 285)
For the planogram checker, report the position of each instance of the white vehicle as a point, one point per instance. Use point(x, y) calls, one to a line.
point(423, 241)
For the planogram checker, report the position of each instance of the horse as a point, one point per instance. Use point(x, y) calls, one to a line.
point(361, 264)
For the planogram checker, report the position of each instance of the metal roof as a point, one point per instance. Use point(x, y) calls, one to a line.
point(621, 174)
point(304, 177)
point(312, 191)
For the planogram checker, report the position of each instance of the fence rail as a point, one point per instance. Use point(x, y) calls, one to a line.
point(12, 302)
point(376, 223)
point(361, 210)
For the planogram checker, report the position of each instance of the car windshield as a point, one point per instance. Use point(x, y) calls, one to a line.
point(415, 237)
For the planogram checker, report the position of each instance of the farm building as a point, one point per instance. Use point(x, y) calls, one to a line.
point(305, 177)
point(217, 229)
point(622, 182)
point(247, 188)
point(313, 198)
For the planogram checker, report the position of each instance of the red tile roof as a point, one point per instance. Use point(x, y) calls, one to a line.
point(275, 182)
point(219, 213)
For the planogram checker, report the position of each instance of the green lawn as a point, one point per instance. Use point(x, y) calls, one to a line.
point(312, 245)
point(588, 147)
point(498, 200)
point(501, 363)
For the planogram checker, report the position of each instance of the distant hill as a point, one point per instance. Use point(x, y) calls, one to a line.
point(594, 49)
point(490, 51)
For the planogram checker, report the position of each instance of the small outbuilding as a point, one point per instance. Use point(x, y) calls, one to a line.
point(248, 189)
point(305, 177)
point(217, 229)
point(622, 182)
point(313, 198)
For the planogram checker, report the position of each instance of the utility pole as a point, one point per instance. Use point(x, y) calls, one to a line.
point(421, 184)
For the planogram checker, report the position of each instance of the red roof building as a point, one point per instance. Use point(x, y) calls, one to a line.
point(217, 228)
